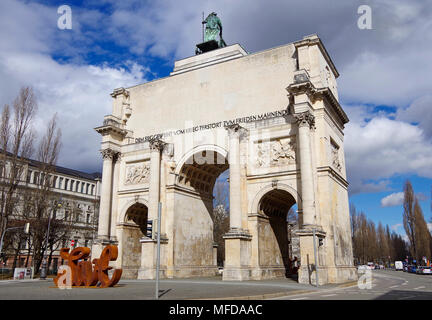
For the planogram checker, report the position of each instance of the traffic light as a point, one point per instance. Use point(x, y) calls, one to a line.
point(320, 241)
point(149, 233)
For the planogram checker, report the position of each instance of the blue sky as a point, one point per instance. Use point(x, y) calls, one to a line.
point(384, 85)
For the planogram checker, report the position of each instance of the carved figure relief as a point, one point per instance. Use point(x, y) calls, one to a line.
point(336, 162)
point(137, 174)
point(276, 152)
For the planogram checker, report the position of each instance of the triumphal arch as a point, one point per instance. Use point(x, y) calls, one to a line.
point(273, 119)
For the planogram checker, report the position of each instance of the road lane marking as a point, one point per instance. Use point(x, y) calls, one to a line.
point(409, 297)
point(300, 298)
point(394, 286)
point(330, 295)
point(422, 287)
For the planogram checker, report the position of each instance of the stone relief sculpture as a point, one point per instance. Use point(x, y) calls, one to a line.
point(137, 174)
point(335, 157)
point(277, 152)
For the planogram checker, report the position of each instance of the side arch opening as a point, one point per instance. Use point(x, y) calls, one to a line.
point(277, 249)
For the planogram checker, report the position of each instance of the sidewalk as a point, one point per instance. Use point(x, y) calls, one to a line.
point(170, 289)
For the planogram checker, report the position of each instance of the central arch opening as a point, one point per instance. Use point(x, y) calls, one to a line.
point(275, 238)
point(195, 210)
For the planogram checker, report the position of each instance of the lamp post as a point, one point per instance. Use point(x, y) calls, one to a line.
point(44, 262)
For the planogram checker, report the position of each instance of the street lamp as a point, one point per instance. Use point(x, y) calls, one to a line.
point(44, 262)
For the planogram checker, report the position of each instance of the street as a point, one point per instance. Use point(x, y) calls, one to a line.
point(386, 285)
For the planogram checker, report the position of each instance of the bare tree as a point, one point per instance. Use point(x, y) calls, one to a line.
point(43, 204)
point(220, 217)
point(423, 236)
point(16, 145)
point(409, 217)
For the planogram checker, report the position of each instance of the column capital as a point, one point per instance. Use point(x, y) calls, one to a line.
point(304, 119)
point(110, 154)
point(117, 157)
point(156, 144)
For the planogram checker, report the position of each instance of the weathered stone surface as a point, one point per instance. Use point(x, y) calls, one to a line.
point(189, 112)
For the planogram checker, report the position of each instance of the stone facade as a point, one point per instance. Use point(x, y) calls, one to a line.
point(273, 118)
point(77, 194)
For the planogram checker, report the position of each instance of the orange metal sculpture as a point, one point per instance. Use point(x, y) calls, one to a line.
point(83, 274)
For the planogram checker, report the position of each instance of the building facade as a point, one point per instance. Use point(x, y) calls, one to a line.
point(273, 119)
point(74, 196)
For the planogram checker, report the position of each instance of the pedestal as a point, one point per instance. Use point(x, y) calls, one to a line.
point(98, 246)
point(308, 266)
point(237, 255)
point(148, 259)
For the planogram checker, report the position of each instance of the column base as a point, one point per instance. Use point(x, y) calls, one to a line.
point(98, 245)
point(237, 255)
point(307, 275)
point(308, 266)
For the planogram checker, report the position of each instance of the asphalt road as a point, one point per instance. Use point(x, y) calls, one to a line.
point(170, 289)
point(384, 285)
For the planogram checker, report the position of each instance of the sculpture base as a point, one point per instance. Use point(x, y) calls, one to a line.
point(207, 46)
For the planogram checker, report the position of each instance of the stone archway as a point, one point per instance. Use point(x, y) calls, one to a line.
point(194, 212)
point(273, 241)
point(133, 229)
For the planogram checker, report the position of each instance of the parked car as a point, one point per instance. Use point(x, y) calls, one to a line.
point(364, 267)
point(424, 270)
point(412, 269)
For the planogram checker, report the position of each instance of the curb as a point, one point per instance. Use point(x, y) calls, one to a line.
point(260, 296)
point(278, 294)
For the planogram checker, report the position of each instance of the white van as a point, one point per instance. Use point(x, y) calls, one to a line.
point(398, 265)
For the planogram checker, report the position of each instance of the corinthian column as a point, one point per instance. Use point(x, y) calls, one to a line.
point(305, 121)
point(156, 146)
point(234, 132)
point(106, 194)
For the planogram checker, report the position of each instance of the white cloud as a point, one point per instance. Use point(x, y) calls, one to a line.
point(79, 93)
point(394, 199)
point(395, 227)
point(382, 147)
point(387, 65)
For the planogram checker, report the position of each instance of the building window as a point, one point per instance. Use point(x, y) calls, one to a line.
point(54, 181)
point(82, 187)
point(92, 189)
point(23, 244)
point(60, 183)
point(28, 179)
point(86, 242)
point(35, 177)
point(77, 187)
point(88, 218)
point(66, 184)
